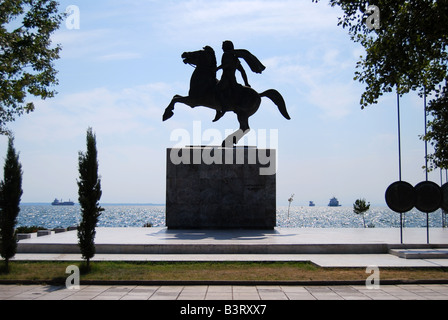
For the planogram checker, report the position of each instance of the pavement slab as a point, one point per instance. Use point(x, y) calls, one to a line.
point(235, 293)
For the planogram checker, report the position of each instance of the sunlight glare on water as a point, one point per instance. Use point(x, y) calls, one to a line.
point(50, 217)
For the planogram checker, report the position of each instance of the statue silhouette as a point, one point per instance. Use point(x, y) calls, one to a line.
point(228, 88)
point(225, 95)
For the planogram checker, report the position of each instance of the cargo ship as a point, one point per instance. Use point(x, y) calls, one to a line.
point(56, 202)
point(334, 202)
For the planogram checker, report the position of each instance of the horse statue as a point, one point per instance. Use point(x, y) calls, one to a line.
point(204, 92)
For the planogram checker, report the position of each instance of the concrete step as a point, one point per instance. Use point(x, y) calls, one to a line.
point(208, 248)
point(437, 253)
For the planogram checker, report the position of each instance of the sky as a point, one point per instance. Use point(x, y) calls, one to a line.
point(120, 69)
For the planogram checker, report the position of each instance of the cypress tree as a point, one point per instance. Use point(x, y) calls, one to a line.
point(10, 195)
point(89, 191)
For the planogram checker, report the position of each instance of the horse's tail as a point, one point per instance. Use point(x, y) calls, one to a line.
point(277, 98)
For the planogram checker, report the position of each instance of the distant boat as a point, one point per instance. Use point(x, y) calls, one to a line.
point(312, 204)
point(334, 202)
point(56, 202)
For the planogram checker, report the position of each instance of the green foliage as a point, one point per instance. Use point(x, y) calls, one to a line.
point(407, 53)
point(10, 195)
point(26, 55)
point(360, 207)
point(437, 133)
point(89, 191)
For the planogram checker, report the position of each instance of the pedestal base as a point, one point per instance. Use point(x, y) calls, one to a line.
point(221, 188)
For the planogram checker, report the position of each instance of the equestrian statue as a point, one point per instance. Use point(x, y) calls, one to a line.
point(227, 94)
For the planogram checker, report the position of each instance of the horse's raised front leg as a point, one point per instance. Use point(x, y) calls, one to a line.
point(169, 111)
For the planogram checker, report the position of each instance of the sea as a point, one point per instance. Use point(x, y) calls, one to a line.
point(133, 215)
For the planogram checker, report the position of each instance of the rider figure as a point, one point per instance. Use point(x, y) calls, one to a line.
point(227, 88)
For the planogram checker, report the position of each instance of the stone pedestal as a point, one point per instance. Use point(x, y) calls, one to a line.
point(221, 188)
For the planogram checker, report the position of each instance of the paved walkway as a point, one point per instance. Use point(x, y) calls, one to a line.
point(321, 260)
point(384, 292)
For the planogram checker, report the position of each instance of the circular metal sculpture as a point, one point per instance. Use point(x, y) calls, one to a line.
point(428, 196)
point(444, 190)
point(400, 196)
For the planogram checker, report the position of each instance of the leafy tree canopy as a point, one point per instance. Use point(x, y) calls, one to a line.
point(26, 55)
point(360, 206)
point(406, 52)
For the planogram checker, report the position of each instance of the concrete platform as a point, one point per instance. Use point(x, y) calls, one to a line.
point(325, 247)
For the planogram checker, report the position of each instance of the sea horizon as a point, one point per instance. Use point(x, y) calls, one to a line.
point(294, 216)
point(372, 205)
point(101, 204)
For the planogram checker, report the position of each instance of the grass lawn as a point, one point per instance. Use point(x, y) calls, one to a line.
point(229, 271)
